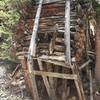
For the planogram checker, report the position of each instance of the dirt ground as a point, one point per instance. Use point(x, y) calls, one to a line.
point(8, 92)
point(13, 92)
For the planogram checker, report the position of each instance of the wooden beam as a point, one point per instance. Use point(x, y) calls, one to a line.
point(91, 85)
point(50, 91)
point(55, 75)
point(32, 48)
point(53, 40)
point(21, 53)
point(84, 65)
point(32, 51)
point(67, 32)
point(78, 83)
point(55, 58)
point(32, 79)
point(58, 63)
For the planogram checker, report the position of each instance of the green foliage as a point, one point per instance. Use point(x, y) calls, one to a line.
point(9, 17)
point(96, 5)
point(8, 20)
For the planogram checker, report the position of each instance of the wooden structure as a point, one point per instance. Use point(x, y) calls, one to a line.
point(51, 43)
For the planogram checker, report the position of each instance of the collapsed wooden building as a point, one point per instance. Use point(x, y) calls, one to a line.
point(53, 42)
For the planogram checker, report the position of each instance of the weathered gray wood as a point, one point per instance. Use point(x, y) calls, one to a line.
point(15, 70)
point(59, 64)
point(54, 58)
point(50, 91)
point(59, 48)
point(52, 44)
point(78, 89)
point(53, 40)
point(58, 53)
point(84, 65)
point(78, 83)
point(55, 75)
point(67, 32)
point(91, 85)
point(60, 40)
point(32, 79)
point(64, 85)
point(21, 53)
point(90, 52)
point(32, 48)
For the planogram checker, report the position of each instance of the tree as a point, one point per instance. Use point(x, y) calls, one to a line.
point(8, 20)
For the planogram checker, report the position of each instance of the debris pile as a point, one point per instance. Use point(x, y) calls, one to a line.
point(59, 37)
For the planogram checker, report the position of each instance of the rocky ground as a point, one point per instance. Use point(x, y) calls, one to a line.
point(8, 91)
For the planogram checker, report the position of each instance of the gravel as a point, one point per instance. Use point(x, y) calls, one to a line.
point(7, 92)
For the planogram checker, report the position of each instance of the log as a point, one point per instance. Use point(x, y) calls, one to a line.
point(59, 48)
point(84, 65)
point(52, 43)
point(16, 69)
point(91, 85)
point(32, 51)
point(60, 40)
point(58, 53)
point(67, 32)
point(59, 64)
point(32, 47)
point(57, 58)
point(43, 45)
point(50, 90)
point(55, 75)
point(78, 83)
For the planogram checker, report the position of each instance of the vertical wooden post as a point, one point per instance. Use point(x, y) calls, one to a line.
point(78, 83)
point(97, 48)
point(32, 48)
point(91, 85)
point(67, 43)
point(49, 88)
point(27, 75)
point(32, 51)
point(32, 78)
point(67, 32)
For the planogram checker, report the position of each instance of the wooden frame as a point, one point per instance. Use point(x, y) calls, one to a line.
point(55, 75)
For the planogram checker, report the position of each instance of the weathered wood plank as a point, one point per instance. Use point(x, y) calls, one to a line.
point(32, 47)
point(84, 65)
point(55, 75)
point(29, 80)
point(32, 79)
point(91, 85)
point(59, 48)
point(50, 91)
point(67, 32)
point(53, 40)
point(78, 83)
point(32, 51)
point(56, 58)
